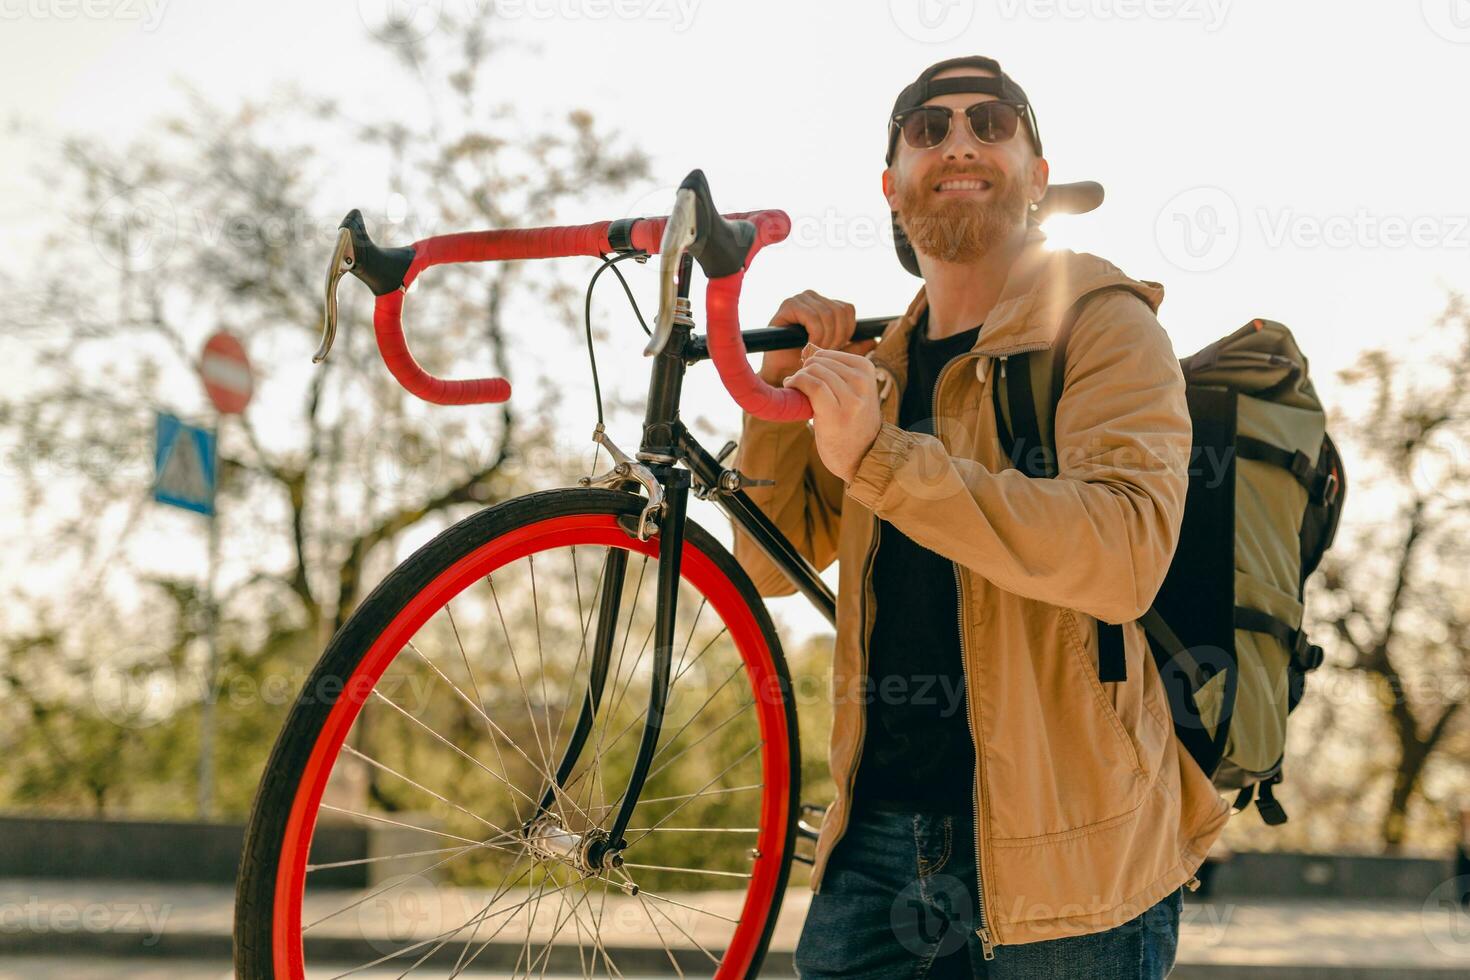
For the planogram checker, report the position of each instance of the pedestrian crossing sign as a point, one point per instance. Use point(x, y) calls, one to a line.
point(183, 464)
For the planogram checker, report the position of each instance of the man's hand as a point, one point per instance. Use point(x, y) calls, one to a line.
point(843, 390)
point(828, 323)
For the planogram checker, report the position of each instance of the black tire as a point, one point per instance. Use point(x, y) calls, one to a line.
point(257, 879)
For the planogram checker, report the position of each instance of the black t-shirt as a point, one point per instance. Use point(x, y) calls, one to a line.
point(918, 753)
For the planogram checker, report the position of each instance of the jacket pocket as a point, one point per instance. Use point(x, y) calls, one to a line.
point(1060, 760)
point(1116, 699)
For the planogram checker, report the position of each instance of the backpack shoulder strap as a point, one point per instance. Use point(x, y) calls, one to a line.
point(1033, 451)
point(1027, 391)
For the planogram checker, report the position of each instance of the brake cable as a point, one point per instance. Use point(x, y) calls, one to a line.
point(608, 262)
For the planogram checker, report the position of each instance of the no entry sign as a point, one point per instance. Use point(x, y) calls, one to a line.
point(226, 373)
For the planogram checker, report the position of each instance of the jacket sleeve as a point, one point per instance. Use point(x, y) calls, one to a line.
point(1099, 538)
point(805, 501)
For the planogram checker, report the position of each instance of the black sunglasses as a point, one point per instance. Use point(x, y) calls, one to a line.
point(995, 121)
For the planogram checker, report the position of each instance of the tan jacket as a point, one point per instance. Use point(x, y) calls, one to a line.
point(1089, 810)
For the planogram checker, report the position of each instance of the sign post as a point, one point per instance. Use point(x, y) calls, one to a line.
point(185, 475)
point(229, 383)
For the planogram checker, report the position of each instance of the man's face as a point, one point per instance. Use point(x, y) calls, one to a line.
point(942, 211)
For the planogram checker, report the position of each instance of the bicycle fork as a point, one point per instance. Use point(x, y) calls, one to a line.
point(599, 851)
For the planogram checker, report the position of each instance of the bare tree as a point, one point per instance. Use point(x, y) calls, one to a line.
point(1394, 595)
point(223, 218)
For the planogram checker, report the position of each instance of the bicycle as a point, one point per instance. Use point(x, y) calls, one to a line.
point(532, 757)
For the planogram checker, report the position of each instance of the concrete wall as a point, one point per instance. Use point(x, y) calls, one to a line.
point(1288, 875)
point(34, 847)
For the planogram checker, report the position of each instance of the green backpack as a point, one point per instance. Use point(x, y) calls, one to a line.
point(1266, 489)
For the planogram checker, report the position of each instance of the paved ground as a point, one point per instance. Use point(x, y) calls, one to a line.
point(95, 968)
point(140, 931)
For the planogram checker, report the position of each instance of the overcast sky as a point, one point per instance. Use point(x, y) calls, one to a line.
point(1301, 161)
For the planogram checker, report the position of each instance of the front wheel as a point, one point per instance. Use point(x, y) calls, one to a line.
point(438, 720)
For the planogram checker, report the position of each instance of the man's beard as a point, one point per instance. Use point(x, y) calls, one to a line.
point(960, 230)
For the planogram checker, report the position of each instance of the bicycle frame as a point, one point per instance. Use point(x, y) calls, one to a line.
point(669, 463)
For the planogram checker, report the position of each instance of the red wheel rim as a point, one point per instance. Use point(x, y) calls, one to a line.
point(697, 569)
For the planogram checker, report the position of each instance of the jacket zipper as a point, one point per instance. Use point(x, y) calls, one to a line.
point(867, 639)
point(987, 942)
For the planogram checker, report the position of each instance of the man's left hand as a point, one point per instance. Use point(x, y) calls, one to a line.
point(843, 390)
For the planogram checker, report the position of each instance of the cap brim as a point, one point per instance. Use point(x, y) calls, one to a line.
point(1077, 198)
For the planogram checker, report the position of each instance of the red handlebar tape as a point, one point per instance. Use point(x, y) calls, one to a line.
point(726, 348)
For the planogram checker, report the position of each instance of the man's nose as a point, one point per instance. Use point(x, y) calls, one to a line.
point(961, 143)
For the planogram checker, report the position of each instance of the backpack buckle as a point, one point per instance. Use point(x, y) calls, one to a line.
point(1330, 486)
point(1307, 656)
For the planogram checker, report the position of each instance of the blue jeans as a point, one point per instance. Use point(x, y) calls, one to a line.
point(898, 901)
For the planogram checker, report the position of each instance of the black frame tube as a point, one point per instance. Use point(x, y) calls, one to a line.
point(665, 443)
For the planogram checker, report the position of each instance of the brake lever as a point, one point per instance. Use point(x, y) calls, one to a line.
point(343, 259)
point(679, 234)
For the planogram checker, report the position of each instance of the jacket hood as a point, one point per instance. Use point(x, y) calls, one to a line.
point(1041, 286)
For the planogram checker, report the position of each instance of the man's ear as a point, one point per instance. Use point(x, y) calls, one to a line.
point(1040, 178)
point(890, 189)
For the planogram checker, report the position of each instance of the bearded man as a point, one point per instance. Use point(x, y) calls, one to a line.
point(1011, 800)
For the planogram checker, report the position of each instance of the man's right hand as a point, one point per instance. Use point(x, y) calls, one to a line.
point(829, 324)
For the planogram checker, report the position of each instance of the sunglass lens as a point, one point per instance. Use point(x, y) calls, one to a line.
point(925, 126)
point(994, 122)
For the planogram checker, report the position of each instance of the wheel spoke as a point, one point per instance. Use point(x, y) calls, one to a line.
point(419, 786)
point(551, 780)
point(504, 779)
point(692, 871)
point(718, 776)
point(479, 700)
point(516, 665)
